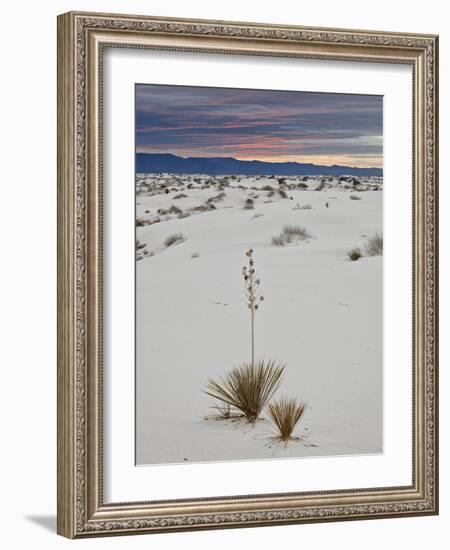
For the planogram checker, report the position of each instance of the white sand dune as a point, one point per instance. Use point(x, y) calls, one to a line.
point(322, 317)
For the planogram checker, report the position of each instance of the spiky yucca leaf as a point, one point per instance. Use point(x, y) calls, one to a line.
point(285, 414)
point(248, 387)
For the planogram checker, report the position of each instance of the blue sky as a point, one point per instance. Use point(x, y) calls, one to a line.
point(274, 126)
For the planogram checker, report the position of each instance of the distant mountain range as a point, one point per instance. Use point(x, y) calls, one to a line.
point(156, 163)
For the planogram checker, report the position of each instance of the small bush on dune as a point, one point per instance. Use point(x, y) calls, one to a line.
point(140, 222)
point(354, 254)
point(249, 204)
point(216, 198)
point(180, 196)
point(174, 210)
point(355, 197)
point(374, 245)
point(285, 414)
point(248, 388)
point(295, 232)
point(278, 240)
point(142, 251)
point(289, 234)
point(175, 238)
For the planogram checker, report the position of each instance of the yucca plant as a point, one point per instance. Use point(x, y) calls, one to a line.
point(285, 414)
point(248, 388)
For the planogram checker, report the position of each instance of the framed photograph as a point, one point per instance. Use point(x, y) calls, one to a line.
point(247, 276)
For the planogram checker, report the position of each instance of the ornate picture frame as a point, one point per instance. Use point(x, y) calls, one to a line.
point(82, 510)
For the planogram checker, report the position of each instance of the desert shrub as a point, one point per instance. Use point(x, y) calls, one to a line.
point(249, 204)
point(291, 233)
point(247, 388)
point(295, 232)
point(203, 207)
point(257, 215)
point(355, 197)
point(142, 251)
point(195, 255)
point(180, 196)
point(354, 254)
point(267, 188)
point(374, 245)
point(216, 198)
point(282, 193)
point(174, 210)
point(285, 414)
point(175, 238)
point(140, 222)
point(278, 240)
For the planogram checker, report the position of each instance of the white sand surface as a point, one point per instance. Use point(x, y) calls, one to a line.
point(322, 317)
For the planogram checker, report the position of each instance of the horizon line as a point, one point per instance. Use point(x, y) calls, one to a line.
point(262, 161)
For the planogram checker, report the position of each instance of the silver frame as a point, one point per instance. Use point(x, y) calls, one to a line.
point(81, 40)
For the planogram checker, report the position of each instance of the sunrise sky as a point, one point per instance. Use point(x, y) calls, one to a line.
point(274, 126)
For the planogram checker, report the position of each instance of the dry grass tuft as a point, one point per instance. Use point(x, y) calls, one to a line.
point(291, 233)
point(374, 245)
point(248, 388)
point(285, 414)
point(278, 240)
point(175, 238)
point(296, 232)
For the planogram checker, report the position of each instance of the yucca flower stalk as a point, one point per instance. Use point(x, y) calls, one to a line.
point(245, 390)
point(253, 297)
